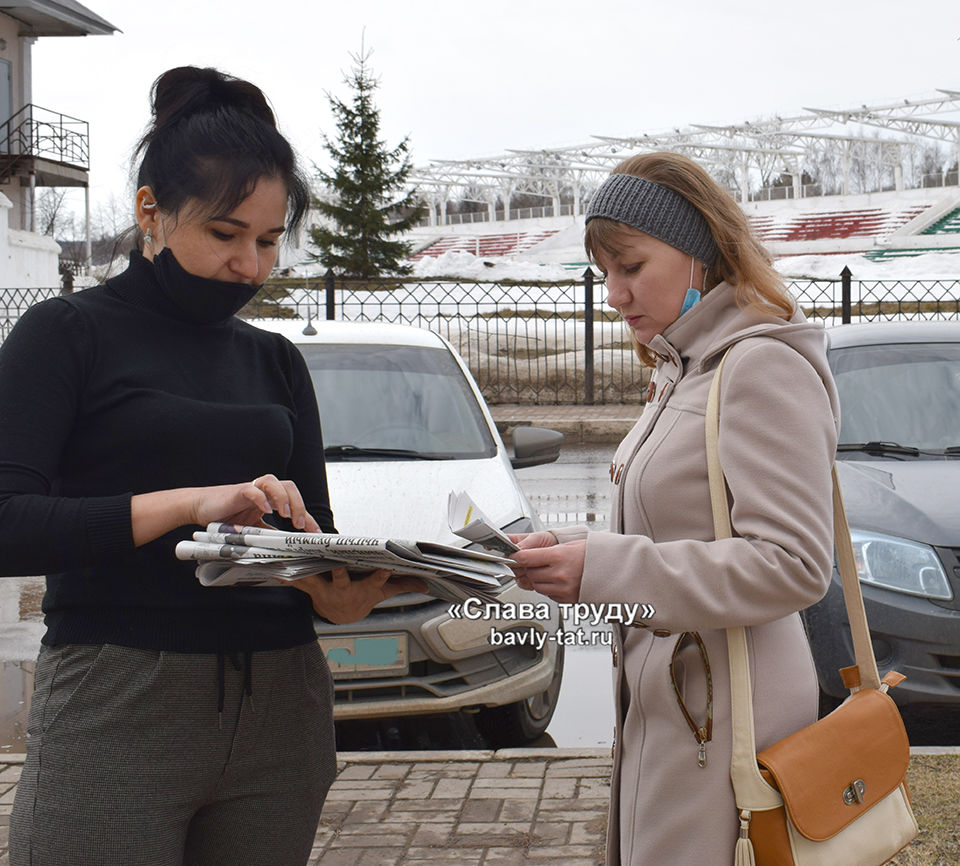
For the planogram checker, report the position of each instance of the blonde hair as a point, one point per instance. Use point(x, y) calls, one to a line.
point(741, 261)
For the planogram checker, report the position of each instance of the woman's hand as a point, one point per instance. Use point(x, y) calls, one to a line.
point(340, 600)
point(534, 539)
point(524, 542)
point(247, 503)
point(155, 514)
point(554, 570)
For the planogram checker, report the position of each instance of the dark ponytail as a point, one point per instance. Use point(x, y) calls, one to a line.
point(212, 138)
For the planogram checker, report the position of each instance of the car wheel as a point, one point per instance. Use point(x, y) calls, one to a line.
point(521, 722)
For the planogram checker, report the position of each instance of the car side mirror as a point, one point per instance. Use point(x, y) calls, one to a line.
point(533, 446)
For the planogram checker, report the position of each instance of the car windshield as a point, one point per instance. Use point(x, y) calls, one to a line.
point(400, 402)
point(903, 393)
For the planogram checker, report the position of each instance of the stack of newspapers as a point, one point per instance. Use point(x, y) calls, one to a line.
point(231, 555)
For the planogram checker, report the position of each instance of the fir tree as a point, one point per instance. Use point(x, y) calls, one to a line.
point(364, 217)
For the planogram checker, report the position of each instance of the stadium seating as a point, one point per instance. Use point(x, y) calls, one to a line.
point(949, 224)
point(871, 225)
point(485, 246)
point(872, 222)
point(887, 255)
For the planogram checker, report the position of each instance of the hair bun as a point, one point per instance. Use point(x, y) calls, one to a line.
point(212, 138)
point(188, 90)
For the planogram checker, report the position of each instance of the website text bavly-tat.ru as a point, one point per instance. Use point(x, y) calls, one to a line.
point(579, 614)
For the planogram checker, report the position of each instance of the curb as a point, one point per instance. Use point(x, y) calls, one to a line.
point(440, 756)
point(574, 432)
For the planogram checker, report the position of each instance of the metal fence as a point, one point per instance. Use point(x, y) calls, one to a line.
point(40, 132)
point(14, 302)
point(551, 343)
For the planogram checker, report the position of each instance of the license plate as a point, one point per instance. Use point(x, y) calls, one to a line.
point(366, 656)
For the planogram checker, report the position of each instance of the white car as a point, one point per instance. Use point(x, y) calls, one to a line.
point(404, 424)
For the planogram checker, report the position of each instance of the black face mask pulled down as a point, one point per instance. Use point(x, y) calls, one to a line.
point(198, 299)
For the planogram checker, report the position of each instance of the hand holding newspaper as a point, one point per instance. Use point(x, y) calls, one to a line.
point(232, 555)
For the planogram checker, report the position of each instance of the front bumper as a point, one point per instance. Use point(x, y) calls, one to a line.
point(451, 664)
point(911, 635)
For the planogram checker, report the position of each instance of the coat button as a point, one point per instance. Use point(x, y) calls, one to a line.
point(661, 633)
point(616, 654)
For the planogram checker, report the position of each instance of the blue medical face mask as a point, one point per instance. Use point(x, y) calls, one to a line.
point(691, 299)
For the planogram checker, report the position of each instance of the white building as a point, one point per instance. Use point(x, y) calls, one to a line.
point(38, 146)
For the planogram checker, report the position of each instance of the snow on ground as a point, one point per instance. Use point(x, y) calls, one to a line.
point(467, 266)
point(928, 266)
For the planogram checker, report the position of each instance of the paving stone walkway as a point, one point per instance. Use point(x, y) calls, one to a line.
point(471, 808)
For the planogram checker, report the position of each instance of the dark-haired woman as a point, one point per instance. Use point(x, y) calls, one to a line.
point(173, 724)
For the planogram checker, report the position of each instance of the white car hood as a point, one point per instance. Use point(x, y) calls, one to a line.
point(408, 499)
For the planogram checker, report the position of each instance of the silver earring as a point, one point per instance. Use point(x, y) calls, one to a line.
point(148, 237)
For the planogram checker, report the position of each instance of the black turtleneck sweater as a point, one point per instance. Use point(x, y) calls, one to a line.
point(110, 392)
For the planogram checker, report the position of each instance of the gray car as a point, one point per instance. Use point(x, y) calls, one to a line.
point(899, 469)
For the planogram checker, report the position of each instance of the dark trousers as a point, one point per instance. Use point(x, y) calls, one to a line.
point(132, 762)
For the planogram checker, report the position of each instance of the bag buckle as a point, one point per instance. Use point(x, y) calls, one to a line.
point(854, 792)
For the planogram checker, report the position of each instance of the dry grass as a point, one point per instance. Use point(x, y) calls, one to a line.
point(934, 782)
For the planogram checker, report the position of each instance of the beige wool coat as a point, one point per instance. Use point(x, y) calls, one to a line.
point(778, 432)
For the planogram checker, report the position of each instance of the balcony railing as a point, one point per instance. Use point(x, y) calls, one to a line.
point(44, 134)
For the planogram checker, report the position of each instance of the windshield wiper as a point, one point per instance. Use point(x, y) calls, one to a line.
point(334, 451)
point(880, 448)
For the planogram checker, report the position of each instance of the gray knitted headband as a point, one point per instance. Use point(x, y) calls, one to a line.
point(656, 210)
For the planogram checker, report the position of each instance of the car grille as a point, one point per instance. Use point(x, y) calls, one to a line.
point(428, 679)
point(949, 669)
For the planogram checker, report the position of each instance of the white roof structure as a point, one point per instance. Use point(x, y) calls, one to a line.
point(55, 18)
point(864, 146)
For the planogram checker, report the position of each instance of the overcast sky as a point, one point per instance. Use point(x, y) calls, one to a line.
point(475, 79)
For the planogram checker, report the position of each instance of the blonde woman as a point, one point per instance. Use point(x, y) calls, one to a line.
point(691, 282)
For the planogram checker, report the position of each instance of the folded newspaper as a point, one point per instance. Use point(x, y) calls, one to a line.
point(231, 555)
point(468, 521)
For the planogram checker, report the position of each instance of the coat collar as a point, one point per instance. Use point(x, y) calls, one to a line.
point(695, 341)
point(710, 327)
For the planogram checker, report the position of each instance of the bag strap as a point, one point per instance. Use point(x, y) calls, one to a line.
point(852, 595)
point(752, 792)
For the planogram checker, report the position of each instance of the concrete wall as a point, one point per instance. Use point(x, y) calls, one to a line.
point(18, 200)
point(18, 53)
point(27, 260)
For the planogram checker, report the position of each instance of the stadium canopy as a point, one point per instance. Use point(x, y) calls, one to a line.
point(770, 157)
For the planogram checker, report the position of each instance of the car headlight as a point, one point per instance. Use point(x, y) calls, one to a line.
point(899, 564)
